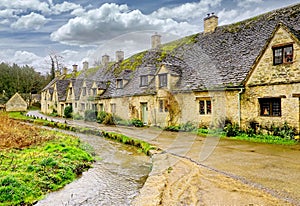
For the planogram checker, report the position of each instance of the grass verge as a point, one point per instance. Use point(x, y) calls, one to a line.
point(34, 162)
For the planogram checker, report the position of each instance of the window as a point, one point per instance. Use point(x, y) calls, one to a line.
point(82, 106)
point(94, 91)
point(94, 107)
point(101, 108)
point(76, 105)
point(84, 91)
point(119, 83)
point(163, 105)
point(163, 80)
point(270, 106)
point(144, 81)
point(283, 54)
point(70, 91)
point(113, 108)
point(205, 107)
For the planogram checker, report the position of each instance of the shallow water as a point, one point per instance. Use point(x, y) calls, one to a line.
point(115, 179)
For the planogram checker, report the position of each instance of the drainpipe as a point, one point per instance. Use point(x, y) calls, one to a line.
point(239, 105)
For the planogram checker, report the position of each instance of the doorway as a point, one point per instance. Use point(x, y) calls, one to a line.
point(144, 112)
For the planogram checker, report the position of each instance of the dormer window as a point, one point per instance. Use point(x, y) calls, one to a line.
point(70, 91)
point(163, 80)
point(283, 54)
point(119, 83)
point(84, 91)
point(144, 81)
point(94, 90)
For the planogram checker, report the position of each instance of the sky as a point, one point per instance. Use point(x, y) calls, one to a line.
point(85, 30)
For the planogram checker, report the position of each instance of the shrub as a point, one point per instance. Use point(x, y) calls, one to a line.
point(77, 116)
point(231, 130)
point(101, 116)
point(90, 115)
point(68, 112)
point(285, 131)
point(109, 119)
point(188, 127)
point(137, 123)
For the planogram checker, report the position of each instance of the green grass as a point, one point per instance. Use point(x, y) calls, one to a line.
point(143, 146)
point(18, 116)
point(26, 175)
point(259, 138)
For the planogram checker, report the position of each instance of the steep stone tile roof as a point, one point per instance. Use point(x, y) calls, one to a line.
point(62, 86)
point(233, 49)
point(202, 61)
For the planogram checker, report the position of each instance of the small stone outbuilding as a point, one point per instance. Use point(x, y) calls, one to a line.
point(16, 104)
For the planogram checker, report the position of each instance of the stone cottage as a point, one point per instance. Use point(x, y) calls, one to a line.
point(16, 104)
point(245, 72)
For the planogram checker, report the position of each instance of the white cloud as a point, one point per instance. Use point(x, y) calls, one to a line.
point(248, 3)
point(232, 16)
point(30, 21)
point(112, 20)
point(186, 11)
point(64, 7)
point(7, 13)
point(25, 4)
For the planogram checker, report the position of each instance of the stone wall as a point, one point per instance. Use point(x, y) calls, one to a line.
point(267, 73)
point(289, 104)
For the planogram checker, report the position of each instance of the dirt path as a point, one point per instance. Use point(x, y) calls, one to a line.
point(196, 170)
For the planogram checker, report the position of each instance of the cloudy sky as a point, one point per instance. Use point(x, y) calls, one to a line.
point(84, 30)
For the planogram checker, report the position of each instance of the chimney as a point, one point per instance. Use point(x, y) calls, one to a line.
point(65, 71)
point(85, 65)
point(210, 23)
point(119, 56)
point(105, 60)
point(155, 40)
point(75, 67)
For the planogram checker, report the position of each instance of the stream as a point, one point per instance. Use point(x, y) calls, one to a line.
point(115, 179)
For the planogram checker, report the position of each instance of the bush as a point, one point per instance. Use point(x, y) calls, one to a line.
point(90, 115)
point(137, 123)
point(286, 131)
point(77, 116)
point(68, 112)
point(231, 130)
point(101, 116)
point(186, 127)
point(109, 119)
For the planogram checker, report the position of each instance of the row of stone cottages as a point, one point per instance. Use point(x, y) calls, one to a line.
point(245, 72)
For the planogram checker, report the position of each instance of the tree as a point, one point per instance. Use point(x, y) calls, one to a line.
point(56, 63)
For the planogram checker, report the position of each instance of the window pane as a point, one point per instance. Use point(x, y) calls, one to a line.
point(265, 108)
point(278, 56)
point(276, 108)
point(119, 83)
point(201, 107)
point(144, 80)
point(208, 107)
point(288, 54)
point(161, 106)
point(163, 80)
